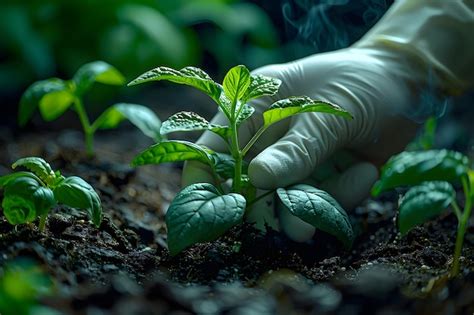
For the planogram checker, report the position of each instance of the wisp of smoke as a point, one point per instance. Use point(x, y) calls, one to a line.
point(334, 24)
point(331, 24)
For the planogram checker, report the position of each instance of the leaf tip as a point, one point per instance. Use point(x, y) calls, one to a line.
point(133, 82)
point(377, 189)
point(134, 163)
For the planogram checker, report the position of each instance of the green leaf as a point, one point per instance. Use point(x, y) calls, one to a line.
point(53, 96)
point(189, 121)
point(25, 199)
point(296, 105)
point(319, 209)
point(424, 202)
point(224, 165)
point(97, 71)
point(54, 104)
point(261, 86)
point(38, 166)
point(236, 82)
point(140, 116)
point(173, 151)
point(190, 76)
point(245, 113)
point(200, 214)
point(77, 193)
point(413, 168)
point(4, 180)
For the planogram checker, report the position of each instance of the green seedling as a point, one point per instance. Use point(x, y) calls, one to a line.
point(432, 175)
point(54, 96)
point(30, 194)
point(203, 212)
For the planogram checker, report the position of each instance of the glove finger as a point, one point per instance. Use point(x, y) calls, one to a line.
point(311, 139)
point(196, 172)
point(262, 213)
point(353, 185)
point(293, 227)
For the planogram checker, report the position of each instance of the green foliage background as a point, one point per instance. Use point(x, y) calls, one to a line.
point(40, 39)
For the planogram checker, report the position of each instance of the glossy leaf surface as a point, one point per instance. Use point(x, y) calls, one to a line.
point(34, 96)
point(77, 193)
point(172, 151)
point(140, 116)
point(25, 199)
point(319, 209)
point(245, 113)
point(236, 82)
point(97, 71)
point(190, 76)
point(200, 214)
point(38, 166)
point(261, 86)
point(424, 202)
point(189, 121)
point(413, 168)
point(297, 105)
point(54, 104)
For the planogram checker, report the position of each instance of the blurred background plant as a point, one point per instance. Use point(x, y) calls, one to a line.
point(40, 39)
point(22, 284)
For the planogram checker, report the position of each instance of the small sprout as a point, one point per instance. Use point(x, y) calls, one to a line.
point(203, 212)
point(31, 194)
point(54, 96)
point(431, 173)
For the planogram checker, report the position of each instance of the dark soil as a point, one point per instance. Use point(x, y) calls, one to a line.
point(124, 267)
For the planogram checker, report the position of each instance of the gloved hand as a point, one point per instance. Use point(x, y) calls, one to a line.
point(378, 80)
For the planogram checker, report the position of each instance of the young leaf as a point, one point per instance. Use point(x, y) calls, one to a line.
point(261, 86)
point(40, 167)
point(224, 165)
point(5, 179)
point(319, 209)
point(54, 104)
point(173, 151)
point(189, 121)
point(58, 94)
point(140, 116)
point(422, 203)
point(200, 214)
point(25, 199)
point(77, 193)
point(236, 82)
point(191, 76)
point(296, 105)
point(97, 71)
point(413, 168)
point(245, 113)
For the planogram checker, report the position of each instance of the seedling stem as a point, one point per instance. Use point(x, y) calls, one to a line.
point(462, 226)
point(86, 126)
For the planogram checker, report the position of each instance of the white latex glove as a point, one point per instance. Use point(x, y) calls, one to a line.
point(378, 80)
